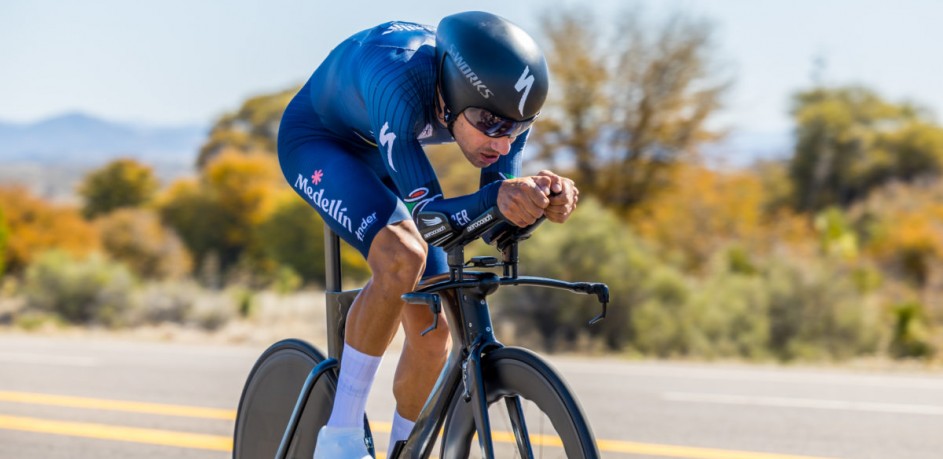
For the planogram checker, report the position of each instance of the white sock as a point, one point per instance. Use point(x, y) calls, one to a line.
point(353, 386)
point(401, 429)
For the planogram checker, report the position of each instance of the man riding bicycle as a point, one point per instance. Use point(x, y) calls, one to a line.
point(350, 143)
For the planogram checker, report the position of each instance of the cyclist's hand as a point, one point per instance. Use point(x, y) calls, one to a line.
point(564, 197)
point(523, 200)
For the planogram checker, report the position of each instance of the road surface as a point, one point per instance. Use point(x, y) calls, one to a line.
point(114, 398)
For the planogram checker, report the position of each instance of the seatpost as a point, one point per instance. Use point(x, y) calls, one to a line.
point(332, 260)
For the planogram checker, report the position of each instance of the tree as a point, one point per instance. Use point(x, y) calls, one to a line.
point(137, 238)
point(626, 106)
point(704, 211)
point(251, 129)
point(120, 183)
point(4, 236)
point(850, 141)
point(36, 226)
point(217, 214)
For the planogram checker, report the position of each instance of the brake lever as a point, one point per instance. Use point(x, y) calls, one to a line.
point(602, 294)
point(431, 300)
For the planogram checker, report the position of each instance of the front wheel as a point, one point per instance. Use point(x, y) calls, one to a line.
point(269, 398)
point(532, 411)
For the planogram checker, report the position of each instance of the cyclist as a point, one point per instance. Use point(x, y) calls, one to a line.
point(350, 143)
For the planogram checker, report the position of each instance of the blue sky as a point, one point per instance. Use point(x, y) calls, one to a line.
point(172, 62)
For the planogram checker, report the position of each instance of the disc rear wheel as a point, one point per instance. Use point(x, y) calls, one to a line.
point(269, 398)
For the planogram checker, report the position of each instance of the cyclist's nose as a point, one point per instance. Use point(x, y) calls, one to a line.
point(502, 145)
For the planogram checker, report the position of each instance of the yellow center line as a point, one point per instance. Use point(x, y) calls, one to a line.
point(117, 405)
point(224, 443)
point(119, 433)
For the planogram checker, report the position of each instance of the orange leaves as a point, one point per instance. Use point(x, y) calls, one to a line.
point(703, 210)
point(36, 226)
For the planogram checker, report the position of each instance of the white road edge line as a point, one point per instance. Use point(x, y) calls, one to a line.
point(785, 402)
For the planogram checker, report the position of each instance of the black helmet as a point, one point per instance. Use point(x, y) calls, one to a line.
point(485, 61)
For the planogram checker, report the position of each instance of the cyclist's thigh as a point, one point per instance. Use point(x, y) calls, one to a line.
point(345, 191)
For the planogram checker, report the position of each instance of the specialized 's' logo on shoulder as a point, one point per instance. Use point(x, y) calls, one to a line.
point(469, 73)
point(386, 139)
point(524, 83)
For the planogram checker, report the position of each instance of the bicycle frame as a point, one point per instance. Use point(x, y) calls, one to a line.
point(469, 318)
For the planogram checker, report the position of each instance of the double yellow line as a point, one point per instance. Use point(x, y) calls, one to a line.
point(224, 443)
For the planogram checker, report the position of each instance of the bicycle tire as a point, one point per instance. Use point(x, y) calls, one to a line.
point(269, 397)
point(512, 372)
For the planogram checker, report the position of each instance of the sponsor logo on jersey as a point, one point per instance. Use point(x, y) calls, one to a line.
point(317, 176)
point(332, 207)
point(417, 194)
point(365, 224)
point(386, 140)
point(524, 83)
point(418, 199)
point(461, 218)
point(470, 74)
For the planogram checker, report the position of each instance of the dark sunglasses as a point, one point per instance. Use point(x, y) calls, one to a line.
point(493, 125)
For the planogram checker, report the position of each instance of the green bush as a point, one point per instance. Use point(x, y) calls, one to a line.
point(817, 311)
point(594, 246)
point(911, 338)
point(92, 291)
point(4, 235)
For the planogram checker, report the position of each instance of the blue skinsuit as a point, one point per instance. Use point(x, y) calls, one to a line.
point(350, 142)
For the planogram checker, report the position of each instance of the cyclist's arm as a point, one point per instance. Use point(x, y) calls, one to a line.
point(393, 115)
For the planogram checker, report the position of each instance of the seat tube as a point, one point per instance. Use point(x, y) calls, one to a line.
point(332, 260)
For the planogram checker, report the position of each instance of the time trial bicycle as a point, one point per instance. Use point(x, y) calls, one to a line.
point(509, 398)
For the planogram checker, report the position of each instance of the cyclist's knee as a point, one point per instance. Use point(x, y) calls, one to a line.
point(398, 255)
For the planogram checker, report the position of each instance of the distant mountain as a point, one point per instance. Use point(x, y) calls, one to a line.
point(53, 155)
point(81, 139)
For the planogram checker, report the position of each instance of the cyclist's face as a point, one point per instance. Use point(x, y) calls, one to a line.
point(480, 150)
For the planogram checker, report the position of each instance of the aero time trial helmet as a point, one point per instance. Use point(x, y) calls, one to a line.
point(492, 67)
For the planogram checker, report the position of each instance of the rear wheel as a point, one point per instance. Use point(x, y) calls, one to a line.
point(532, 412)
point(269, 398)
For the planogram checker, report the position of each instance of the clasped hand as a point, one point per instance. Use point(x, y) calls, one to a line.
point(525, 199)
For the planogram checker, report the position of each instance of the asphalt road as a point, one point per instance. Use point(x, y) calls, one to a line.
point(111, 398)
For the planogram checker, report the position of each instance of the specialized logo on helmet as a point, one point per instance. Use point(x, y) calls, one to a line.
point(524, 83)
point(469, 73)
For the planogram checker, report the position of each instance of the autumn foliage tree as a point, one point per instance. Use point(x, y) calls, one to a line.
point(121, 183)
point(217, 213)
point(137, 238)
point(36, 226)
point(253, 128)
point(628, 104)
